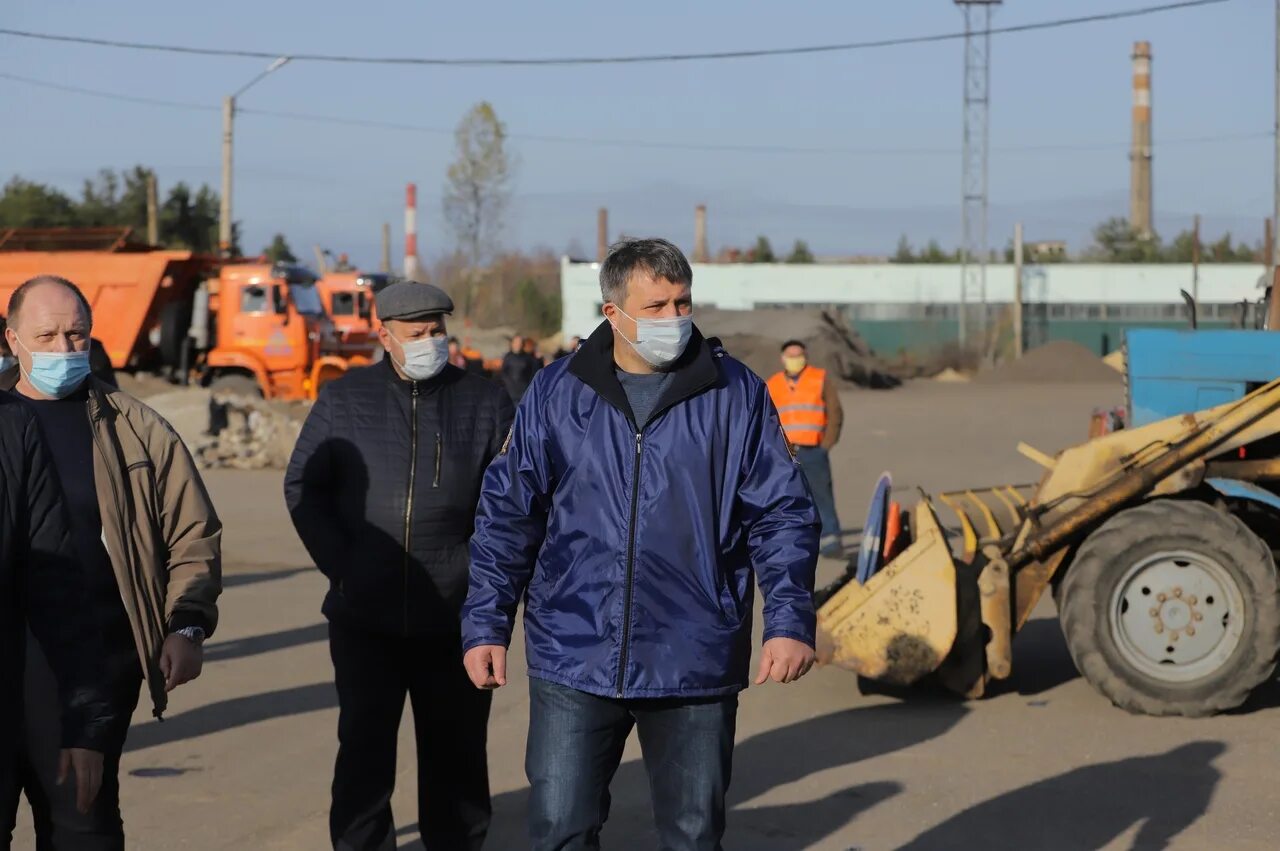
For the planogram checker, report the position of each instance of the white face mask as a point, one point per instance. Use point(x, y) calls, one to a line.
point(660, 342)
point(423, 359)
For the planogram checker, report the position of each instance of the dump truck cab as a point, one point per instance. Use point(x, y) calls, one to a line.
point(348, 299)
point(269, 331)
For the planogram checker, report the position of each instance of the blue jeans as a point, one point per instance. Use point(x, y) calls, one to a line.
point(816, 463)
point(575, 745)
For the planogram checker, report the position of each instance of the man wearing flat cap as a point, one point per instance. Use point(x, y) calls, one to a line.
point(382, 487)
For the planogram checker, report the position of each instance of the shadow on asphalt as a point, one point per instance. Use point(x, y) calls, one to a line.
point(1091, 806)
point(239, 648)
point(230, 714)
point(761, 764)
point(236, 580)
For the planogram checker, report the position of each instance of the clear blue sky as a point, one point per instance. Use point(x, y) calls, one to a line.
point(1213, 75)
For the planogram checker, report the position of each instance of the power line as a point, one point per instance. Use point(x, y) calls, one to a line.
point(605, 60)
point(347, 121)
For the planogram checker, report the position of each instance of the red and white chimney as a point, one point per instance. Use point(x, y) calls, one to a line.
point(412, 266)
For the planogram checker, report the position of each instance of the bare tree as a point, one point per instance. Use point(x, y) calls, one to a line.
point(478, 190)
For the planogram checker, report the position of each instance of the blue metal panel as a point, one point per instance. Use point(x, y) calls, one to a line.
point(1177, 372)
point(1244, 490)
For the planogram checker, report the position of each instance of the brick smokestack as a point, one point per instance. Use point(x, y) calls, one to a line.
point(602, 234)
point(412, 266)
point(700, 254)
point(1140, 155)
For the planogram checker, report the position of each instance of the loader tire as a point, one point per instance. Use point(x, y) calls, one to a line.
point(1125, 611)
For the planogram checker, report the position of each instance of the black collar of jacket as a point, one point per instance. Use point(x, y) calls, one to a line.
point(98, 391)
point(449, 375)
point(693, 373)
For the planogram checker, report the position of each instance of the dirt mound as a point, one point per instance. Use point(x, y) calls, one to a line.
point(951, 376)
point(1058, 362)
point(755, 337)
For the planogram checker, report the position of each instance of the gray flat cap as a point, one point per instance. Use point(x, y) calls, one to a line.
point(410, 300)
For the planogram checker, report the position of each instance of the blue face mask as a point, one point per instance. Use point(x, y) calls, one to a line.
point(57, 374)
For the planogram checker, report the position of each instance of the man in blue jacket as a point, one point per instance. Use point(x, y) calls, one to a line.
point(644, 484)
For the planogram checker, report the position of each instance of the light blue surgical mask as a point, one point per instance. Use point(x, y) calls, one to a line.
point(660, 342)
point(56, 374)
point(423, 358)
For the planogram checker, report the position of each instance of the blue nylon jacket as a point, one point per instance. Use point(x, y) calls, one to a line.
point(635, 551)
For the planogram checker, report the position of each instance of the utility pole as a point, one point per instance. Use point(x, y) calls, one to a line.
point(153, 210)
point(1195, 259)
point(1275, 246)
point(224, 214)
point(225, 219)
point(386, 249)
point(1018, 342)
point(973, 217)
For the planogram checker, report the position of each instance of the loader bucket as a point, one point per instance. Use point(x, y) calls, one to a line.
point(901, 624)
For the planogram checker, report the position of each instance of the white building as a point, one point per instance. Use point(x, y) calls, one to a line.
point(908, 306)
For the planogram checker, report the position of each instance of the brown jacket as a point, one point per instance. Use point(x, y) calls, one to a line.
point(835, 414)
point(159, 525)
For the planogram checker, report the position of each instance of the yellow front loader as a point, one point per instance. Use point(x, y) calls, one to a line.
point(1157, 542)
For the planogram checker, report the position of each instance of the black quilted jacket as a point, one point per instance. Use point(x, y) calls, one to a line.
point(41, 585)
point(383, 487)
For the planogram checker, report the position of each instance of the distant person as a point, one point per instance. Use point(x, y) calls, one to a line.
point(41, 597)
point(518, 369)
point(645, 490)
point(7, 360)
point(382, 488)
point(531, 349)
point(456, 357)
point(575, 343)
point(808, 404)
point(144, 531)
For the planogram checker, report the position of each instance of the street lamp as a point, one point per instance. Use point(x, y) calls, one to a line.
point(228, 125)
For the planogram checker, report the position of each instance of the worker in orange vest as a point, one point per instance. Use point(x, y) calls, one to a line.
point(809, 406)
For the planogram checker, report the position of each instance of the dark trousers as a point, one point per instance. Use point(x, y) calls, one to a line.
point(816, 463)
point(575, 745)
point(59, 825)
point(450, 719)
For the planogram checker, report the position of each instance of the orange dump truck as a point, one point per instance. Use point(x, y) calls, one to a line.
point(348, 300)
point(249, 326)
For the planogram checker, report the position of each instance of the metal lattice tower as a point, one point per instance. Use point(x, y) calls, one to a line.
point(973, 216)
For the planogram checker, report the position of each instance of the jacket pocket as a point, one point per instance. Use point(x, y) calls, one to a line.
point(730, 607)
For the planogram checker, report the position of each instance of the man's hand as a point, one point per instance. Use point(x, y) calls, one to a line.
point(785, 660)
point(87, 766)
point(180, 661)
point(486, 664)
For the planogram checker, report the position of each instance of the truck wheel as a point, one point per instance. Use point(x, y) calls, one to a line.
point(237, 384)
point(175, 327)
point(1173, 608)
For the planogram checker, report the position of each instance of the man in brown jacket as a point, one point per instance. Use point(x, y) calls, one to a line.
point(145, 532)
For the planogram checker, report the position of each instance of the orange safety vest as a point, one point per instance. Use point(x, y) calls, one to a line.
point(800, 405)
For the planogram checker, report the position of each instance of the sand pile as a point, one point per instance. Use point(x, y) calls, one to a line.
point(1060, 361)
point(755, 337)
point(951, 376)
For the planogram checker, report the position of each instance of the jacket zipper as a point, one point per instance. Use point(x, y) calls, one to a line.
point(408, 505)
point(439, 448)
point(631, 565)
